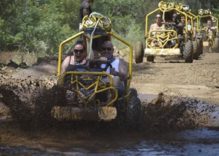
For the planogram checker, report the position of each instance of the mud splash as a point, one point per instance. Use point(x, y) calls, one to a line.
point(28, 99)
point(23, 97)
point(177, 113)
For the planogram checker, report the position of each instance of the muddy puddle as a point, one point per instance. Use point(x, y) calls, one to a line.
point(169, 126)
point(88, 142)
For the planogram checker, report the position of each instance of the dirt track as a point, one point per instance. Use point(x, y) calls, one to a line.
point(198, 79)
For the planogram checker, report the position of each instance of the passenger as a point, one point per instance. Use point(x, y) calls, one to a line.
point(194, 29)
point(175, 19)
point(180, 26)
point(119, 68)
point(77, 56)
point(158, 25)
point(189, 25)
point(211, 30)
point(190, 29)
point(210, 26)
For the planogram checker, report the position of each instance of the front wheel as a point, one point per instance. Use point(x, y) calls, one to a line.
point(139, 52)
point(188, 52)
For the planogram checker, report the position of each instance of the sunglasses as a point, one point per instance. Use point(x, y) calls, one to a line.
point(107, 49)
point(78, 51)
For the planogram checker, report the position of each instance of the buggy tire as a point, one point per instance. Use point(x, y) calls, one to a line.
point(139, 52)
point(188, 52)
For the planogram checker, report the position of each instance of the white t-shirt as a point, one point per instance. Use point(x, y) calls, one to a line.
point(114, 64)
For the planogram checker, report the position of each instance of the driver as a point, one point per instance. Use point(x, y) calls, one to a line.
point(119, 68)
point(210, 28)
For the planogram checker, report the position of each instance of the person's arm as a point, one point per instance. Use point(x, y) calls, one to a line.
point(123, 70)
point(65, 63)
point(151, 27)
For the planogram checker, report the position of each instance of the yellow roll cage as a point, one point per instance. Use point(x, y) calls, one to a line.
point(99, 75)
point(164, 7)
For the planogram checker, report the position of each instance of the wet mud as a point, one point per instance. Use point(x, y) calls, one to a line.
point(167, 125)
point(31, 100)
point(176, 113)
point(70, 141)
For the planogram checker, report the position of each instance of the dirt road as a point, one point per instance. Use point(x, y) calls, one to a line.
point(199, 79)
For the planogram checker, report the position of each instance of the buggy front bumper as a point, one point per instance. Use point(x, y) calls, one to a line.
point(162, 52)
point(69, 113)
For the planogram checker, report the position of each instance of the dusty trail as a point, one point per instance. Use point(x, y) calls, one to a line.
point(199, 79)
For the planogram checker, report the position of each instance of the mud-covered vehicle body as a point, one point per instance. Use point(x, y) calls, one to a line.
point(169, 41)
point(90, 93)
point(207, 27)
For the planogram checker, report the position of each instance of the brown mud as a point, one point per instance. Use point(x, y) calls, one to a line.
point(26, 91)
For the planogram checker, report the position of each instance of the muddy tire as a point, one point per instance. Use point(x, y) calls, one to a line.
point(139, 52)
point(188, 52)
point(133, 109)
point(150, 58)
point(215, 47)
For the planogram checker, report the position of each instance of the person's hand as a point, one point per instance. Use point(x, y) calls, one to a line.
point(115, 73)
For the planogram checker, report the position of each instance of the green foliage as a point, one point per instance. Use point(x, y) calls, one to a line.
point(127, 16)
point(31, 25)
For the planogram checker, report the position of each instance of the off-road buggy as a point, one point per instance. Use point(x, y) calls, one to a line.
point(90, 94)
point(173, 40)
point(208, 29)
